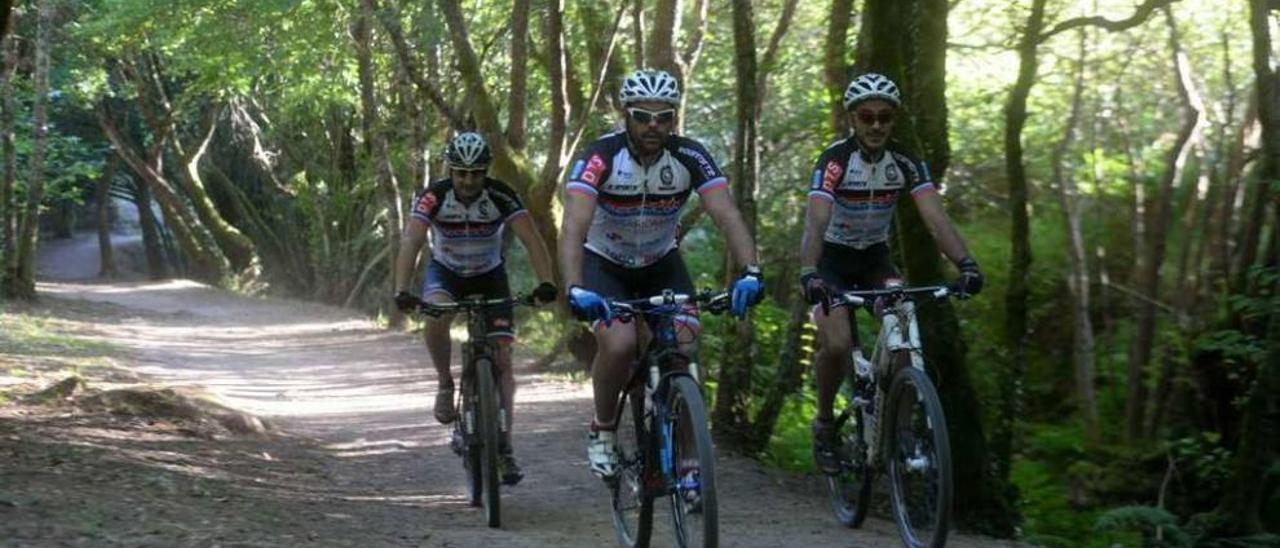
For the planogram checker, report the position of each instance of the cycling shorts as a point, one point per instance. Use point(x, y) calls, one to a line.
point(845, 268)
point(614, 281)
point(490, 285)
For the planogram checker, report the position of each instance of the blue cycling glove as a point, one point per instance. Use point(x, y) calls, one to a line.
point(587, 305)
point(747, 291)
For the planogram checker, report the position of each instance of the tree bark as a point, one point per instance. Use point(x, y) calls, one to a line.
point(1147, 272)
point(106, 260)
point(731, 416)
point(8, 217)
point(375, 149)
point(1082, 348)
point(835, 64)
point(23, 281)
point(156, 266)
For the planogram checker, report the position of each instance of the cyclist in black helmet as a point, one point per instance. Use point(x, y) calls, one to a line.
point(466, 215)
point(852, 196)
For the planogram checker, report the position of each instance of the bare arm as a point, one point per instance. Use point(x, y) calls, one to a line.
point(411, 242)
point(578, 211)
point(524, 229)
point(726, 215)
point(939, 225)
point(816, 219)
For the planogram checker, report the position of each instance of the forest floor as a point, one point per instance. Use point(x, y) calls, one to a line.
point(206, 418)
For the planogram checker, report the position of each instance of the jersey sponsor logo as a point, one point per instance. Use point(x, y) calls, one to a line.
point(426, 204)
point(831, 176)
point(891, 173)
point(816, 183)
point(594, 169)
point(704, 163)
point(578, 166)
point(668, 178)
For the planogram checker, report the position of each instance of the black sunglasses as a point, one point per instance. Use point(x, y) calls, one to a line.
point(885, 117)
point(642, 116)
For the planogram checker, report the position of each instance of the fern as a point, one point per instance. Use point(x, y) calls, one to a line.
point(1146, 519)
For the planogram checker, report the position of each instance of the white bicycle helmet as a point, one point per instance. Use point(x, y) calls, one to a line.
point(650, 85)
point(871, 86)
point(468, 150)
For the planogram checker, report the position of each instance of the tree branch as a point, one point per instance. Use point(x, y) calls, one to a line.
point(390, 19)
point(1139, 16)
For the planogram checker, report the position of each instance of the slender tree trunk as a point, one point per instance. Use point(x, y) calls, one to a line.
point(731, 416)
point(23, 283)
point(789, 378)
point(1017, 292)
point(637, 33)
point(375, 147)
point(518, 96)
point(8, 230)
point(1082, 349)
point(835, 62)
point(156, 266)
point(1147, 276)
point(107, 263)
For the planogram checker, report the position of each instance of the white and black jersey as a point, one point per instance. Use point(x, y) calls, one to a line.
point(864, 190)
point(467, 238)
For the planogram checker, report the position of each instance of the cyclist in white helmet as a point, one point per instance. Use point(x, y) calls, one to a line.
point(466, 215)
point(622, 205)
point(852, 196)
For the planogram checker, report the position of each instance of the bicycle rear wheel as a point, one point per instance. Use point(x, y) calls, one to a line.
point(850, 489)
point(694, 510)
point(632, 497)
point(487, 426)
point(918, 457)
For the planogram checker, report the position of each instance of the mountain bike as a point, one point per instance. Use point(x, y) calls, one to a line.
point(914, 449)
point(482, 420)
point(664, 445)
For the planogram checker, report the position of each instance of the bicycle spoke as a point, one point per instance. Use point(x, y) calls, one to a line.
point(919, 461)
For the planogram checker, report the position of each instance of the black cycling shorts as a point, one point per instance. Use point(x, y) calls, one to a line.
point(490, 285)
point(845, 268)
point(614, 281)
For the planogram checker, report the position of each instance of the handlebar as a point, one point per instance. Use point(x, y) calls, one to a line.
point(868, 297)
point(439, 309)
point(713, 302)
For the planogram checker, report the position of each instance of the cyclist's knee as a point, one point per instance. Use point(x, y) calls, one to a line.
point(616, 343)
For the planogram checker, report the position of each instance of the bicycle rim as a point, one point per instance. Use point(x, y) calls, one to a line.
point(694, 512)
point(632, 501)
point(850, 490)
point(918, 456)
point(487, 425)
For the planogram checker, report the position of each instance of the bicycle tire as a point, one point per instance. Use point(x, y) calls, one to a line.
point(686, 407)
point(850, 490)
point(918, 460)
point(630, 497)
point(470, 449)
point(487, 427)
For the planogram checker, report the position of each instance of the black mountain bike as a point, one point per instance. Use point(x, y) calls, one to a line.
point(664, 445)
point(914, 450)
point(477, 433)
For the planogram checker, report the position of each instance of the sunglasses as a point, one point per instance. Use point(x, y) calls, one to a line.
point(642, 116)
point(885, 117)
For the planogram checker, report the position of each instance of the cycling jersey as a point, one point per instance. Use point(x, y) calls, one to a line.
point(638, 207)
point(467, 238)
point(864, 191)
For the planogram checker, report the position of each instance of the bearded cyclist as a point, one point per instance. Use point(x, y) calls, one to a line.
point(622, 206)
point(853, 193)
point(466, 215)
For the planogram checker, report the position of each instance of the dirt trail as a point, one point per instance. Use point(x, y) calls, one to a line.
point(358, 461)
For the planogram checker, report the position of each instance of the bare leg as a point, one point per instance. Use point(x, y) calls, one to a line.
point(615, 346)
point(507, 385)
point(832, 361)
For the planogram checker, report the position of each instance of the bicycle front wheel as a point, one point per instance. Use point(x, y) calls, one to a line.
point(918, 457)
point(487, 426)
point(632, 494)
point(693, 501)
point(850, 489)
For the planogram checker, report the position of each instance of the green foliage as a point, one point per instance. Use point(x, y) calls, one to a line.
point(1160, 528)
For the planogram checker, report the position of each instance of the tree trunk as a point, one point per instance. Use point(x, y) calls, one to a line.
point(731, 416)
point(917, 59)
point(1082, 349)
point(8, 217)
point(156, 266)
point(518, 96)
point(1147, 273)
point(835, 62)
point(1009, 379)
point(23, 282)
point(375, 149)
point(107, 263)
point(637, 32)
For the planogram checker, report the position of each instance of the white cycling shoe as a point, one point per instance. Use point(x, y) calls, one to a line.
point(602, 453)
